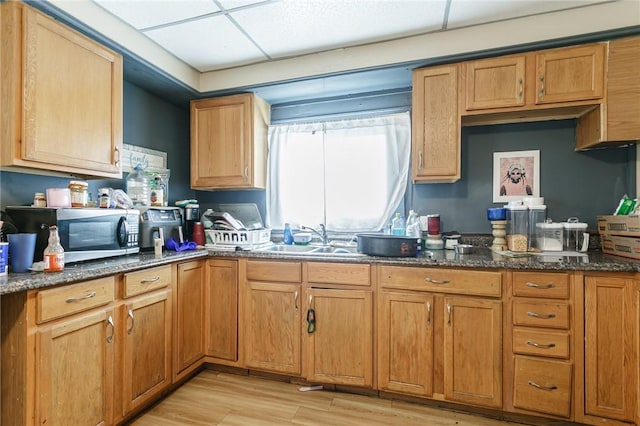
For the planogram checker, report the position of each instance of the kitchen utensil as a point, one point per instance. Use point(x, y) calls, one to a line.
point(464, 249)
point(375, 244)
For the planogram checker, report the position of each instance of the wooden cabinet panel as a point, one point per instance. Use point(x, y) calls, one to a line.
point(271, 327)
point(75, 366)
point(543, 385)
point(190, 304)
point(275, 271)
point(547, 285)
point(146, 280)
point(341, 345)
point(229, 142)
point(339, 273)
point(63, 97)
point(406, 346)
point(473, 351)
point(435, 140)
point(480, 283)
point(146, 348)
point(66, 300)
point(495, 82)
point(222, 312)
point(611, 350)
point(570, 74)
point(541, 342)
point(541, 314)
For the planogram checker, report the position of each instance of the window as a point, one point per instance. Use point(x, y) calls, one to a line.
point(350, 175)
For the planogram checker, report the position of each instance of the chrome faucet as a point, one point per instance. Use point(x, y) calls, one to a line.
point(322, 233)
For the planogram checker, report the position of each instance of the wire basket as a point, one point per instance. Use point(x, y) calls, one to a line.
point(245, 239)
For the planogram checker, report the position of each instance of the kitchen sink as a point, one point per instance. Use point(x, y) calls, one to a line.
point(311, 250)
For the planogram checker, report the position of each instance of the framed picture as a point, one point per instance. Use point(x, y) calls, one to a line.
point(516, 174)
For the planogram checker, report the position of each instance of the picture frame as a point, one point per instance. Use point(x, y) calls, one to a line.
point(149, 159)
point(516, 174)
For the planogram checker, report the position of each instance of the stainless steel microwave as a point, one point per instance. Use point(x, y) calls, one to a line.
point(85, 233)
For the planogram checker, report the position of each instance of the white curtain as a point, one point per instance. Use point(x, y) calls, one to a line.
point(350, 175)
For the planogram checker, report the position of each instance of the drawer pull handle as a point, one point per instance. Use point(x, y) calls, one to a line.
point(113, 327)
point(77, 299)
point(130, 313)
point(434, 281)
point(542, 316)
point(449, 314)
point(540, 345)
point(150, 280)
point(428, 313)
point(295, 300)
point(540, 286)
point(547, 388)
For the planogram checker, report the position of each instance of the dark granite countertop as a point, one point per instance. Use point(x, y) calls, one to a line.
point(81, 271)
point(482, 258)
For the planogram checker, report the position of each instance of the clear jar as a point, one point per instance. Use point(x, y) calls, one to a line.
point(518, 228)
point(537, 214)
point(79, 193)
point(39, 200)
point(549, 236)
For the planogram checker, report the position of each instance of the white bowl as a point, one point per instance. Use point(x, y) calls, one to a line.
point(302, 238)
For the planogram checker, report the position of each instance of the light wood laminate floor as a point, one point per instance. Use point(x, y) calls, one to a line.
point(216, 398)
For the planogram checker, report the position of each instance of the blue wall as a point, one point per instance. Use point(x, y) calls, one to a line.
point(582, 184)
point(148, 122)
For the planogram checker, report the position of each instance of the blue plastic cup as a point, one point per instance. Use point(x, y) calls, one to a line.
point(4, 258)
point(22, 248)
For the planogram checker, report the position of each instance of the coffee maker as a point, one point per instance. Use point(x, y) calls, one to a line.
point(191, 216)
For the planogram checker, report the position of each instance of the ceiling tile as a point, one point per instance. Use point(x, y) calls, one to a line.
point(233, 4)
point(472, 12)
point(298, 27)
point(150, 13)
point(207, 44)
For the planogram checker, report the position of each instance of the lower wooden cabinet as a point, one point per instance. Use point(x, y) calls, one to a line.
point(543, 385)
point(221, 316)
point(612, 327)
point(145, 324)
point(340, 342)
point(75, 371)
point(190, 303)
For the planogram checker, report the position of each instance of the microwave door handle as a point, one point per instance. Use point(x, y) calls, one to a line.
point(121, 232)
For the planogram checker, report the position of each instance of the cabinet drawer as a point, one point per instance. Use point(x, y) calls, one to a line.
point(146, 280)
point(543, 386)
point(481, 283)
point(67, 300)
point(541, 342)
point(541, 314)
point(549, 285)
point(286, 272)
point(339, 273)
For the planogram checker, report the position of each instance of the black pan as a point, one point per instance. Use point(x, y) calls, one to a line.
point(387, 245)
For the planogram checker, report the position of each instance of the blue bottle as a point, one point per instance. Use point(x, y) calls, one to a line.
point(288, 236)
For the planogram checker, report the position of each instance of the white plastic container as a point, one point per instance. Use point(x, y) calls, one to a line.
point(517, 227)
point(537, 214)
point(575, 236)
point(549, 236)
point(138, 188)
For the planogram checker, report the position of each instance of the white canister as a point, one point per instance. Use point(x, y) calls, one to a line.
point(575, 236)
point(549, 236)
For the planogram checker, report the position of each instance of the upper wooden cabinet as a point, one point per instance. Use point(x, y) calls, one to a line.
point(435, 141)
point(495, 82)
point(618, 120)
point(61, 98)
point(229, 142)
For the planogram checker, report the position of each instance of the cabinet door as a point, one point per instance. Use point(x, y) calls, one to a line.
point(435, 125)
point(72, 99)
point(222, 309)
point(405, 342)
point(341, 346)
point(146, 351)
point(228, 142)
point(190, 303)
point(272, 327)
point(570, 74)
point(495, 83)
point(74, 380)
point(473, 351)
point(611, 352)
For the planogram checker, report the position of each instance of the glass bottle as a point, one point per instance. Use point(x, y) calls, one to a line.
point(54, 252)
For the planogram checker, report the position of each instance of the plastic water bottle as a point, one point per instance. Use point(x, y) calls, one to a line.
point(287, 236)
point(138, 187)
point(413, 225)
point(398, 225)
